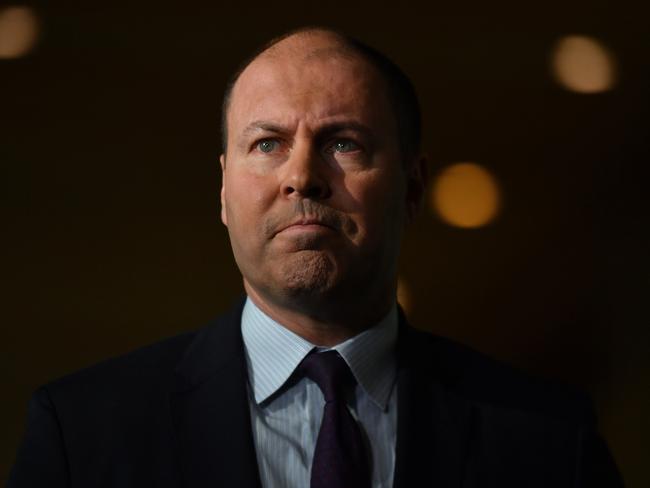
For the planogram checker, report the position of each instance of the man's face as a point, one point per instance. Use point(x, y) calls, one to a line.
point(314, 192)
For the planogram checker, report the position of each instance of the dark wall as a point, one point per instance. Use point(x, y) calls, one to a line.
point(109, 178)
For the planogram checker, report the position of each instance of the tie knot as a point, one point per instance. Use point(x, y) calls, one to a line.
point(330, 372)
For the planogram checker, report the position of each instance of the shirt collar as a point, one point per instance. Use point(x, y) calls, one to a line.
point(273, 352)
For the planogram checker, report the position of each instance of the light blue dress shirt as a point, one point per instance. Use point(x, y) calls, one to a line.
point(286, 422)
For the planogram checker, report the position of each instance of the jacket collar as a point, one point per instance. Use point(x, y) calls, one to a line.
point(433, 424)
point(210, 412)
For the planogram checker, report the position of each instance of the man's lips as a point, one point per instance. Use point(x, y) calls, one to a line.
point(306, 225)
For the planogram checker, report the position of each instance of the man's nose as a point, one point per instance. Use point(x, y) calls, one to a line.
point(306, 175)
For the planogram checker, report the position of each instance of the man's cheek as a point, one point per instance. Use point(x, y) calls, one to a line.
point(256, 189)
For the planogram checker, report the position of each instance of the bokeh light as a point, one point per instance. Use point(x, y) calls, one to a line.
point(583, 64)
point(19, 28)
point(466, 195)
point(404, 297)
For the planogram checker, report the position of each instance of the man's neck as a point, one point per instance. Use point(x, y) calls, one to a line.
point(322, 328)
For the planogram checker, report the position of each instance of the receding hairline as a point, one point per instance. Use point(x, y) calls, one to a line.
point(338, 46)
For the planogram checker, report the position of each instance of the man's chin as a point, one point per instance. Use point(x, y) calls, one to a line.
point(308, 274)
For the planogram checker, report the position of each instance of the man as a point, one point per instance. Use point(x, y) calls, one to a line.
point(316, 379)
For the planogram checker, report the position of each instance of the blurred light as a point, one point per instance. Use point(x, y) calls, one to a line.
point(18, 31)
point(404, 295)
point(583, 64)
point(466, 195)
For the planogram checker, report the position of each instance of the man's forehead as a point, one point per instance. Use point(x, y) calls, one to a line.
point(292, 56)
point(319, 79)
point(297, 77)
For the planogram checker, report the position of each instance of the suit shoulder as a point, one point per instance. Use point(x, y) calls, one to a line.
point(144, 374)
point(145, 368)
point(481, 379)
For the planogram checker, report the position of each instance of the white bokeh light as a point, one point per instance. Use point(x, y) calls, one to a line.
point(583, 64)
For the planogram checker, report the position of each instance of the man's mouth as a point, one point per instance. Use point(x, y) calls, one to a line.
point(307, 225)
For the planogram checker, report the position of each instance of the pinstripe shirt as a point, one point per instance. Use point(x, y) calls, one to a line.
point(286, 421)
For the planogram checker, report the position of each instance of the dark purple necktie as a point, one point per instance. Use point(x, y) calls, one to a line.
point(340, 459)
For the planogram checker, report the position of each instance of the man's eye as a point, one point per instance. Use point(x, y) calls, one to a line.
point(267, 145)
point(344, 146)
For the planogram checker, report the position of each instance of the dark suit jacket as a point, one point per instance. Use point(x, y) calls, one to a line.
point(176, 414)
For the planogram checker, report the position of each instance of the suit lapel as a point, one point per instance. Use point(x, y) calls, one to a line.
point(210, 412)
point(433, 426)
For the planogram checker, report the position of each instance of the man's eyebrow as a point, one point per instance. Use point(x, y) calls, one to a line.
point(326, 129)
point(262, 125)
point(350, 125)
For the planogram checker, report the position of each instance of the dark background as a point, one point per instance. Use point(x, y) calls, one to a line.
point(109, 178)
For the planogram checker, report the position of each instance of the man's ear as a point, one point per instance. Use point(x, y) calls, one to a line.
point(224, 216)
point(416, 180)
